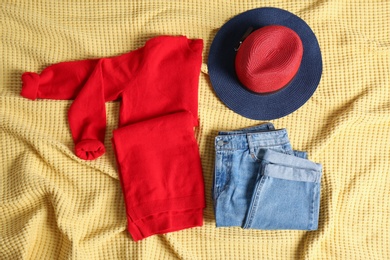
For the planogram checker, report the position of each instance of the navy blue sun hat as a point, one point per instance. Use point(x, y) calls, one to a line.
point(227, 75)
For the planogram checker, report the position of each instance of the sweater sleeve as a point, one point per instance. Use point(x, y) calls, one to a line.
point(90, 83)
point(87, 116)
point(61, 81)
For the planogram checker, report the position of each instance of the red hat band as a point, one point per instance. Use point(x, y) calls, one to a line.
point(269, 58)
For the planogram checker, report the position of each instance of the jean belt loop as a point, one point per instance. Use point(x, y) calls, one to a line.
point(249, 140)
point(270, 126)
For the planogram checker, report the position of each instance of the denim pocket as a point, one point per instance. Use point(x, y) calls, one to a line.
point(286, 196)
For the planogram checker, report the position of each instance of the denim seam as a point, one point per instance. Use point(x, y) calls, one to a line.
point(268, 146)
point(217, 173)
point(311, 220)
point(230, 149)
point(279, 178)
point(256, 159)
point(213, 188)
point(243, 148)
point(319, 175)
point(262, 127)
point(221, 188)
point(272, 133)
point(254, 202)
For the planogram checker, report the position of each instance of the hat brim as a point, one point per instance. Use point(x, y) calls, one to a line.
point(263, 106)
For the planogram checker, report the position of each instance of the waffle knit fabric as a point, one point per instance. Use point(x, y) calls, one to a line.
point(56, 206)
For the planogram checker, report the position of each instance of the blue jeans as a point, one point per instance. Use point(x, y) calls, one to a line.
point(261, 183)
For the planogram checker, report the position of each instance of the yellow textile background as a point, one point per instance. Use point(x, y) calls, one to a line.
point(55, 206)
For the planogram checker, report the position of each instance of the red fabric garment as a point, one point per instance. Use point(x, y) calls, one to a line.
point(157, 154)
point(157, 79)
point(160, 159)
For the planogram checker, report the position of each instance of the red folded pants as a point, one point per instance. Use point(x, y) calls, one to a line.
point(157, 154)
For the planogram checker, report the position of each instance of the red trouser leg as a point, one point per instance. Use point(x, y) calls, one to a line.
point(161, 174)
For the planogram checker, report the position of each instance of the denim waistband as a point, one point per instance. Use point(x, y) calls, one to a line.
point(253, 129)
point(237, 140)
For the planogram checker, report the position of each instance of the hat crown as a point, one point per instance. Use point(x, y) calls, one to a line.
point(269, 58)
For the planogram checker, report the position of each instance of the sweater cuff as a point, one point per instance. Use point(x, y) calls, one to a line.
point(30, 85)
point(89, 149)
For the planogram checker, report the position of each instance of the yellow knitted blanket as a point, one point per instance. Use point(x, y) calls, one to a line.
point(54, 205)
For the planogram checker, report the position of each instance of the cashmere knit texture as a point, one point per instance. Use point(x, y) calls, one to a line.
point(54, 205)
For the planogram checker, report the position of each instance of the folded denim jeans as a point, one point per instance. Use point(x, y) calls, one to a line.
point(261, 183)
